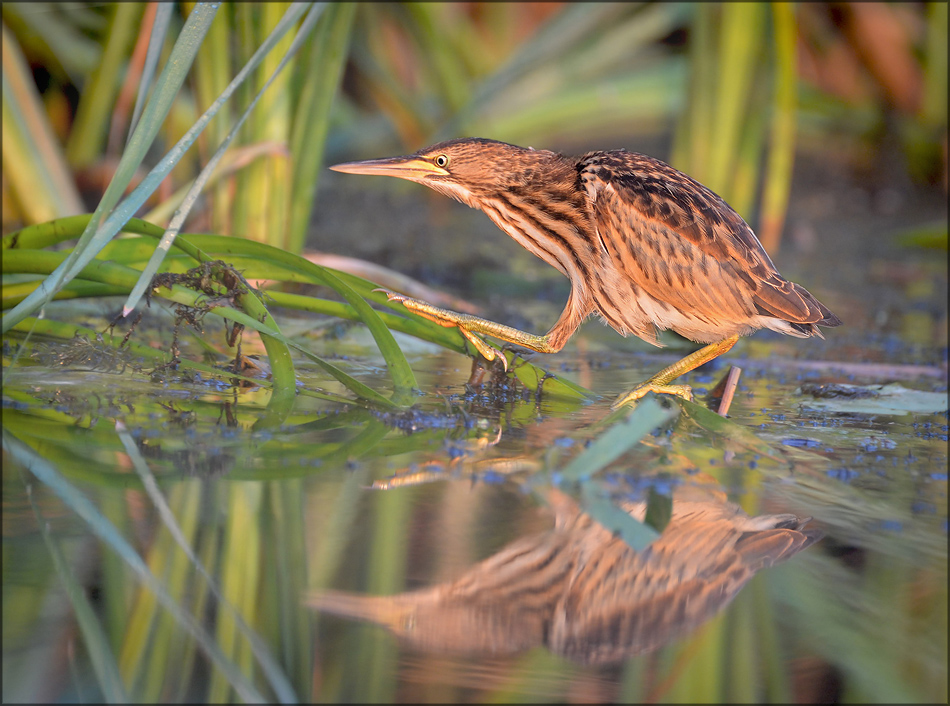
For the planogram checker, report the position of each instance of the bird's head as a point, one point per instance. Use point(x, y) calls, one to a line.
point(468, 169)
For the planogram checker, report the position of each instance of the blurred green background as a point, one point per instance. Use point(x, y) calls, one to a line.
point(731, 91)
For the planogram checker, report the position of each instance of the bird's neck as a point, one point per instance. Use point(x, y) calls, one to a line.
point(540, 206)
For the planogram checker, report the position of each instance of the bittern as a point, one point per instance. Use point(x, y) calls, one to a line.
point(583, 591)
point(645, 246)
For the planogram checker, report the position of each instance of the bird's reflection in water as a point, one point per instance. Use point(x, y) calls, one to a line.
point(583, 592)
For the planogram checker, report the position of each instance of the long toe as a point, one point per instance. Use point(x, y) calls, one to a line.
point(684, 391)
point(488, 351)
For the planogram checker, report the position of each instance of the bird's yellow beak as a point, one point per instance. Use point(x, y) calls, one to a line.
point(413, 168)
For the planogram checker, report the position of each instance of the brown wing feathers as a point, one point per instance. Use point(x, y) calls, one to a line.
point(777, 296)
point(696, 214)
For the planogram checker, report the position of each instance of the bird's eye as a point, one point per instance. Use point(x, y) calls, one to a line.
point(442, 160)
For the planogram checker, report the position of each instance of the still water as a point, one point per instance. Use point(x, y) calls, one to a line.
point(439, 554)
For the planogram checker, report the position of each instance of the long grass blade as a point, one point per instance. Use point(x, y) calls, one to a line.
point(284, 394)
point(778, 171)
point(259, 260)
point(275, 675)
point(112, 273)
point(618, 439)
point(163, 18)
point(97, 644)
point(102, 528)
point(399, 370)
point(191, 197)
point(88, 134)
point(107, 219)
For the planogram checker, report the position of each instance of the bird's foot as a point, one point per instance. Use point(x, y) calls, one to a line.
point(488, 352)
point(684, 391)
point(448, 319)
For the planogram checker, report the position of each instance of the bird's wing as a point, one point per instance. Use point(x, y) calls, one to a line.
point(683, 244)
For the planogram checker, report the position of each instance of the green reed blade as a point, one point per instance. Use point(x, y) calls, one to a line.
point(618, 438)
point(33, 161)
point(104, 664)
point(87, 137)
point(781, 157)
point(84, 508)
point(601, 508)
point(284, 379)
point(322, 69)
point(191, 197)
point(110, 214)
point(275, 675)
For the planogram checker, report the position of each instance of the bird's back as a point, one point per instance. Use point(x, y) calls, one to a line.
point(676, 256)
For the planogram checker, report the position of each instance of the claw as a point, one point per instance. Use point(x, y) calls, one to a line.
point(503, 358)
point(391, 296)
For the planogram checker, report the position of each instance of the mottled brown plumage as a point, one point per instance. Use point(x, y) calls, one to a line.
point(582, 591)
point(645, 246)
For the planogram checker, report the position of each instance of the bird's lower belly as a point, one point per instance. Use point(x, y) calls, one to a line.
point(644, 315)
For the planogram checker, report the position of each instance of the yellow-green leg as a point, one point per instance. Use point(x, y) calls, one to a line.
point(660, 383)
point(469, 325)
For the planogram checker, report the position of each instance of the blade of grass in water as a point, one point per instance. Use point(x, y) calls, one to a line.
point(240, 575)
point(388, 561)
point(606, 448)
point(618, 439)
point(401, 373)
point(261, 260)
point(104, 529)
point(104, 665)
point(275, 675)
point(600, 507)
point(725, 428)
point(112, 273)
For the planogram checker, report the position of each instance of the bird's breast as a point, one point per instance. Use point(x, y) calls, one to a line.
point(552, 233)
